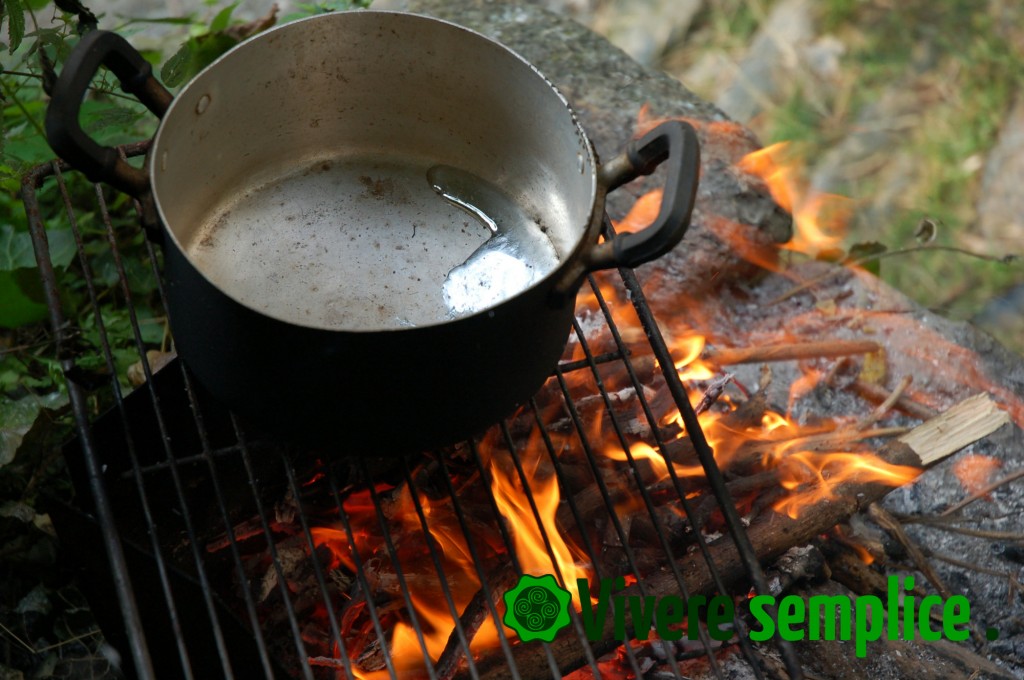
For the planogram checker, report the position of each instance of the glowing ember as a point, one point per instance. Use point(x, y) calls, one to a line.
point(976, 472)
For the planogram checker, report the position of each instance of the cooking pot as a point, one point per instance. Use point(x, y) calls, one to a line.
point(374, 224)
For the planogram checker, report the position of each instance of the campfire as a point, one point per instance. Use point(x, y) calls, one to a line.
point(720, 424)
point(592, 481)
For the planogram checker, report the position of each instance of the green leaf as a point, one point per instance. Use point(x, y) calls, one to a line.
point(62, 247)
point(97, 116)
point(868, 249)
point(173, 72)
point(15, 23)
point(193, 56)
point(15, 249)
point(29, 148)
point(19, 307)
point(223, 18)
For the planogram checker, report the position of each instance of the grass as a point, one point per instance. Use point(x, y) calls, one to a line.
point(963, 62)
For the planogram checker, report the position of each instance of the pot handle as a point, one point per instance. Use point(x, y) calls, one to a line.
point(674, 141)
point(64, 132)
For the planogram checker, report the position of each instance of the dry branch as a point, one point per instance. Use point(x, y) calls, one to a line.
point(728, 356)
point(967, 422)
point(878, 394)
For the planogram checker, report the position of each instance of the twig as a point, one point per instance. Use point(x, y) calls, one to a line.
point(712, 393)
point(827, 440)
point(887, 404)
point(326, 661)
point(474, 616)
point(981, 493)
point(893, 526)
point(810, 283)
point(33, 650)
point(728, 356)
point(949, 527)
point(969, 566)
point(875, 393)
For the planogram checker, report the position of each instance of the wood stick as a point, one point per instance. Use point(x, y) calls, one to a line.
point(956, 428)
point(886, 404)
point(727, 356)
point(770, 537)
point(474, 616)
point(878, 394)
point(892, 525)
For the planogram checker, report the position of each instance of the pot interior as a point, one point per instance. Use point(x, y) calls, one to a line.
point(372, 170)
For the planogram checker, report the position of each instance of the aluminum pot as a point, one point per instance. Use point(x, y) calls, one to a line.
point(374, 224)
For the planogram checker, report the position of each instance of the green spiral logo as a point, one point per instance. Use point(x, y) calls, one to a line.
point(537, 608)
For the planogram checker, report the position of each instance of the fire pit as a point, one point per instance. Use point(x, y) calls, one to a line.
point(243, 557)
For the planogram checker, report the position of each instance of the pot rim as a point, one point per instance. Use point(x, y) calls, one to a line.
point(571, 260)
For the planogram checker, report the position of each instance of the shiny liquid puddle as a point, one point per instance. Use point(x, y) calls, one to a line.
point(371, 244)
point(514, 257)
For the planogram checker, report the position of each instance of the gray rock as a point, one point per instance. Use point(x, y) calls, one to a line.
point(644, 28)
point(770, 61)
point(1001, 202)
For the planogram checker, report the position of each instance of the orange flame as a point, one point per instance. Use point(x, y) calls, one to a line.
point(641, 451)
point(642, 214)
point(814, 476)
point(531, 542)
point(820, 219)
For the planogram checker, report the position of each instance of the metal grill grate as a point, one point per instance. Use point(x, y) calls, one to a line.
point(167, 469)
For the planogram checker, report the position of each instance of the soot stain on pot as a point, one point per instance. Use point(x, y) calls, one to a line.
point(379, 189)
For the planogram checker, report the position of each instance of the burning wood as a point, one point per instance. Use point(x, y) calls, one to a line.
point(967, 422)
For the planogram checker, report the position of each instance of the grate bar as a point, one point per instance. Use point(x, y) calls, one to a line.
point(127, 604)
point(478, 564)
point(680, 493)
point(562, 580)
point(637, 476)
point(460, 630)
point(587, 544)
point(282, 582)
point(357, 560)
point(706, 456)
point(165, 435)
point(207, 455)
point(393, 554)
point(318, 572)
